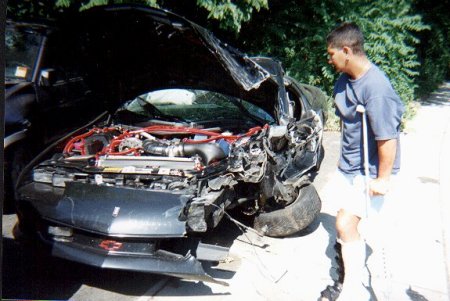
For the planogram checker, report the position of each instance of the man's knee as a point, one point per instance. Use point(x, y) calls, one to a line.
point(343, 226)
point(347, 226)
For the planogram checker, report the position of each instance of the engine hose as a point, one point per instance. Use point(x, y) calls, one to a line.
point(39, 157)
point(208, 152)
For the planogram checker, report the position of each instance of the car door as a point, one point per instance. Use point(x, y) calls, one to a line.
point(65, 100)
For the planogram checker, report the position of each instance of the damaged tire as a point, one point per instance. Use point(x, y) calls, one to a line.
point(293, 218)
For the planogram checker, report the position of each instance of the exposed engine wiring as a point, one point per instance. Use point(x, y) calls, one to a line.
point(238, 223)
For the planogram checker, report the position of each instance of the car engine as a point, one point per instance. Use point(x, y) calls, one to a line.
point(208, 166)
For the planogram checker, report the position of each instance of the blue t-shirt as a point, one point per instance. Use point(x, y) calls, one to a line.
point(384, 110)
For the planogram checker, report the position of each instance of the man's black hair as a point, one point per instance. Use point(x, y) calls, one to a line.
point(347, 34)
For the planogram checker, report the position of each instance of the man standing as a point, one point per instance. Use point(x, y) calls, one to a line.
point(360, 83)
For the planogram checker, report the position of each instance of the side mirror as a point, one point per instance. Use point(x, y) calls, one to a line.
point(47, 77)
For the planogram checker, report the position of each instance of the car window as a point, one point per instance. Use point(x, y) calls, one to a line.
point(197, 106)
point(21, 52)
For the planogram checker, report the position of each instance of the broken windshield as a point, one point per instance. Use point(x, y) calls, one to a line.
point(196, 106)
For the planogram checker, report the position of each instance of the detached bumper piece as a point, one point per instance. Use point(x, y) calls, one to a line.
point(140, 257)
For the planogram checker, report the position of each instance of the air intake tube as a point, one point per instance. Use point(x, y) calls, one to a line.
point(208, 152)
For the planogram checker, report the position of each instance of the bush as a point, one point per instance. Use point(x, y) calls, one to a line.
point(296, 34)
point(434, 48)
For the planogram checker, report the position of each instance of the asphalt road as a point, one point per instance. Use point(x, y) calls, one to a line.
point(293, 268)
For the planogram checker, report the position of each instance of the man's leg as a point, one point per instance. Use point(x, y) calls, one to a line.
point(347, 200)
point(353, 249)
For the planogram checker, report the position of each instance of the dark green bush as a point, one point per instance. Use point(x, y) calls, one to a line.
point(295, 32)
point(434, 48)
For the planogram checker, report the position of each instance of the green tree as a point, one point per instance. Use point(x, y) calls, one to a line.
point(434, 48)
point(31, 9)
point(391, 29)
point(295, 32)
point(230, 14)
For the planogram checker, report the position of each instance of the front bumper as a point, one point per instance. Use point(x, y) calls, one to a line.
point(116, 228)
point(160, 262)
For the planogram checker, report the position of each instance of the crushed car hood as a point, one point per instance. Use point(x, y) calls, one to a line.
point(128, 50)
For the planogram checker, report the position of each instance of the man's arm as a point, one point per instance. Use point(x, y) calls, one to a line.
point(386, 156)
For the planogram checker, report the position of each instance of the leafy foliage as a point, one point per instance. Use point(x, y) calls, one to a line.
point(231, 14)
point(434, 48)
point(83, 5)
point(391, 30)
point(31, 9)
point(296, 34)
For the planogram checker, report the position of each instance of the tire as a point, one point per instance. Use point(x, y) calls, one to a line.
point(16, 158)
point(293, 218)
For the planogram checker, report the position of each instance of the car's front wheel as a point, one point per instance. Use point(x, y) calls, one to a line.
point(16, 158)
point(293, 218)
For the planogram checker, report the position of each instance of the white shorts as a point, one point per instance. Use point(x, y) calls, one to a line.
point(348, 192)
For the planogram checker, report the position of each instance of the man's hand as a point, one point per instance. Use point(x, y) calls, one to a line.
point(378, 187)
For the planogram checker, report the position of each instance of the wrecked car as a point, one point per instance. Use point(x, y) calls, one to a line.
point(196, 128)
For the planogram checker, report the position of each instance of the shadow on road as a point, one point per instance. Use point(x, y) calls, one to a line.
point(328, 222)
point(439, 97)
point(26, 274)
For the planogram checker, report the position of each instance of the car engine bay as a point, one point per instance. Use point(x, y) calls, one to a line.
point(206, 164)
point(165, 151)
